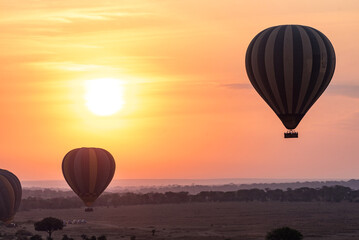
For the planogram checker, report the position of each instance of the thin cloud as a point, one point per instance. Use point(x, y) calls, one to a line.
point(95, 15)
point(68, 14)
point(70, 66)
point(238, 85)
point(344, 90)
point(77, 20)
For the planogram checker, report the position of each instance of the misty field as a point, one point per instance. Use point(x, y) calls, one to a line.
point(226, 220)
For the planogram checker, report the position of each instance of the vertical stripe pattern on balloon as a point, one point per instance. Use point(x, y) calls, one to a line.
point(290, 66)
point(88, 171)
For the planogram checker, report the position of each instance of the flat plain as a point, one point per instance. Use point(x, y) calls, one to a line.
point(200, 221)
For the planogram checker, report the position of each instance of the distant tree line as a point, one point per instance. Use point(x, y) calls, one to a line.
point(304, 194)
point(193, 188)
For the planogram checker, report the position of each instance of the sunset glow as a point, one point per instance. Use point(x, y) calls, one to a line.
point(162, 86)
point(104, 97)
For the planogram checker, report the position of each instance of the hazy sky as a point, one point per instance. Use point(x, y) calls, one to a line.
point(190, 111)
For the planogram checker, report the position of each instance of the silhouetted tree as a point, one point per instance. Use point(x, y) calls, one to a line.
point(275, 195)
point(49, 225)
point(284, 233)
point(102, 237)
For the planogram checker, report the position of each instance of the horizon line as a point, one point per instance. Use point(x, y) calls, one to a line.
point(120, 179)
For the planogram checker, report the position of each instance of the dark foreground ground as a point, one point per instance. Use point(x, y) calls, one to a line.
point(200, 221)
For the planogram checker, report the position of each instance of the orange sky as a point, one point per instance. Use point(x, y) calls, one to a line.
point(190, 110)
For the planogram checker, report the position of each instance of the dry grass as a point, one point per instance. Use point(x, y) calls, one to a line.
point(200, 221)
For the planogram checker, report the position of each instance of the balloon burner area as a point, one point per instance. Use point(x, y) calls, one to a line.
point(291, 134)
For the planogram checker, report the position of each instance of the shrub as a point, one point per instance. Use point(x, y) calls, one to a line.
point(284, 233)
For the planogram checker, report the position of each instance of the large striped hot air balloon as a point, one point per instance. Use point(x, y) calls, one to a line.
point(10, 195)
point(88, 171)
point(290, 66)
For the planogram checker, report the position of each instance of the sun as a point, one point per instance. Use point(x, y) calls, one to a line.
point(104, 96)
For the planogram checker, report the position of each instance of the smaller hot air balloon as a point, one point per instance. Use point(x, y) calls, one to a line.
point(88, 171)
point(10, 195)
point(290, 66)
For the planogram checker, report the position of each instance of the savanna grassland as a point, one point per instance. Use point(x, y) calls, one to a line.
point(226, 220)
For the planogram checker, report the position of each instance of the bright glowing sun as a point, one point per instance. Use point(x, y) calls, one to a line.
point(104, 96)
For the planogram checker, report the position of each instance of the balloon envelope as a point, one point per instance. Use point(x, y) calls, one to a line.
point(10, 195)
point(88, 171)
point(290, 66)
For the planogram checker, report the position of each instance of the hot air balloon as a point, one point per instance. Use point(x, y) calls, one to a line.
point(10, 195)
point(88, 171)
point(290, 66)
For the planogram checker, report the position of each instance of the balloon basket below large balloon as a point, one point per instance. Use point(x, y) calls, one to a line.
point(291, 134)
point(89, 209)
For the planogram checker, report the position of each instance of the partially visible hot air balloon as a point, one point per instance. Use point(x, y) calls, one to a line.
point(88, 171)
point(290, 66)
point(10, 195)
